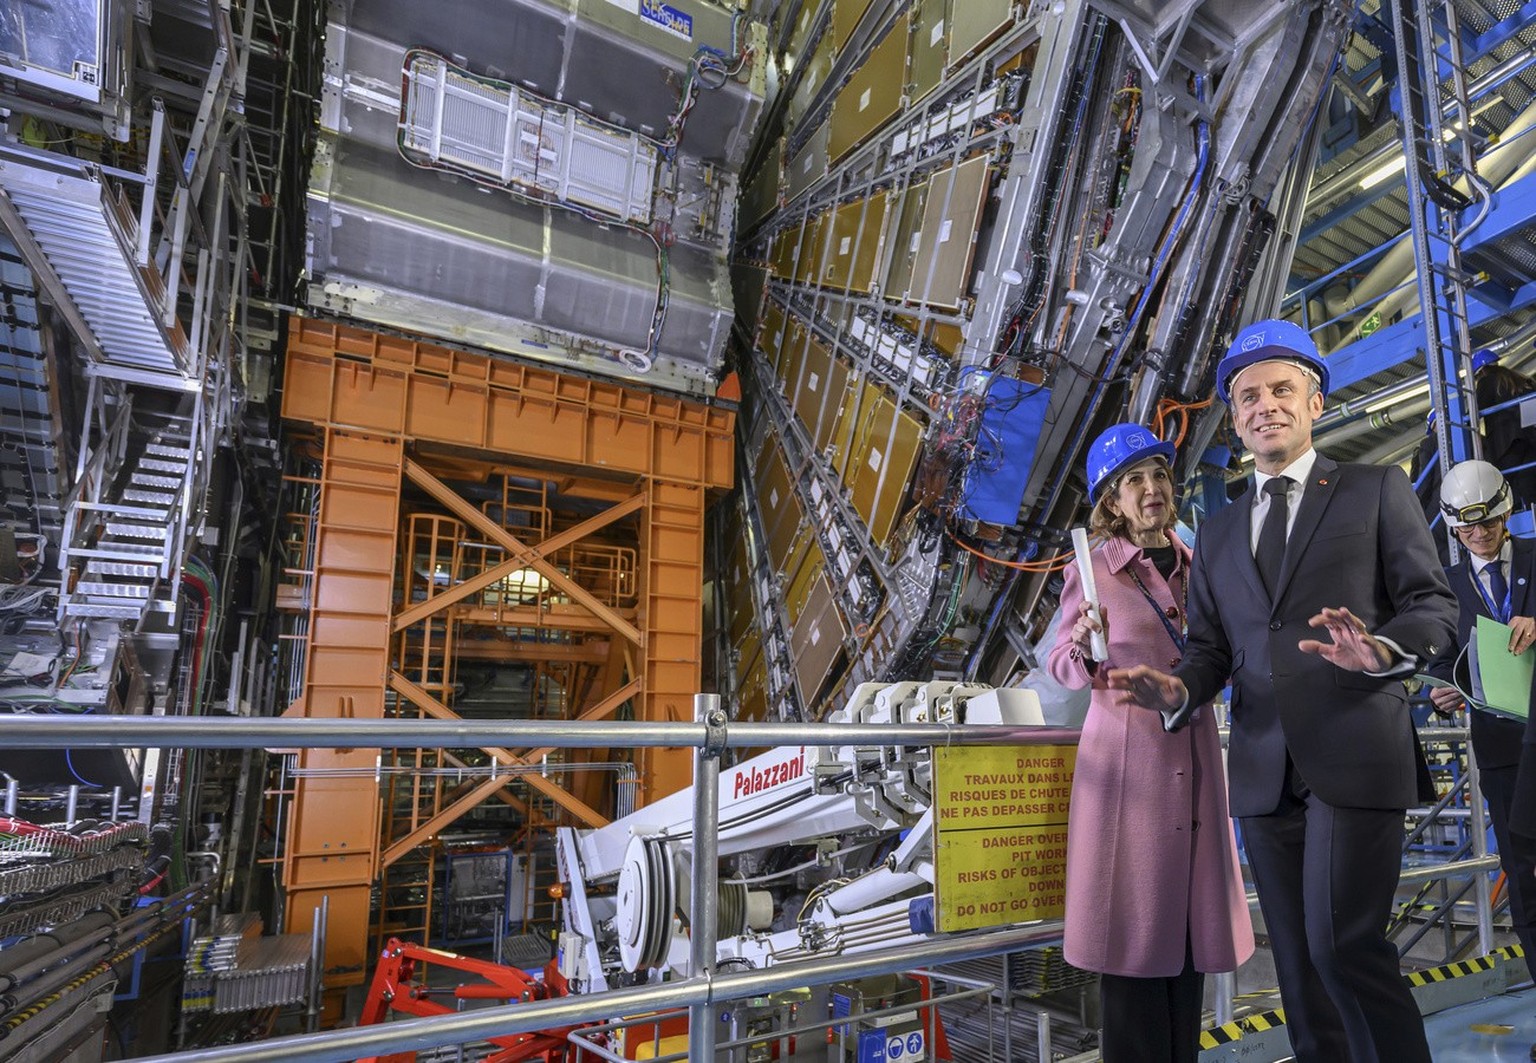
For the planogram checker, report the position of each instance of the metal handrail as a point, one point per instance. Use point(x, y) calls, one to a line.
point(414, 1035)
point(701, 992)
point(120, 732)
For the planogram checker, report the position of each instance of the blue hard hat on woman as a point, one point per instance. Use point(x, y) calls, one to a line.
point(1119, 447)
point(1268, 341)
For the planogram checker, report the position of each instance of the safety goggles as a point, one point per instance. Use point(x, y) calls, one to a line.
point(1477, 512)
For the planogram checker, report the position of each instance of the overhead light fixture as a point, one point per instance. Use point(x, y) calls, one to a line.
point(1381, 173)
point(1415, 392)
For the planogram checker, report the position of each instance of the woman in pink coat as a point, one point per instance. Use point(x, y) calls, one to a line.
point(1154, 893)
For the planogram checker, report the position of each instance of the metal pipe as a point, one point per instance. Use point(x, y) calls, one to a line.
point(1455, 867)
point(414, 1035)
point(317, 962)
point(72, 806)
point(119, 732)
point(704, 905)
point(12, 793)
point(117, 801)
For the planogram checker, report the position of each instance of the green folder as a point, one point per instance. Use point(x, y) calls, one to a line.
point(1506, 678)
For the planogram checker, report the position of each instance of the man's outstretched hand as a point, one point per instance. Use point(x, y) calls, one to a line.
point(1353, 647)
point(1148, 687)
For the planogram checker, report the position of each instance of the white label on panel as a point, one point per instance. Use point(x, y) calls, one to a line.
point(632, 6)
point(815, 634)
point(875, 458)
point(917, 236)
point(806, 165)
point(813, 381)
point(864, 99)
point(815, 491)
point(842, 248)
point(937, 34)
point(773, 498)
point(944, 231)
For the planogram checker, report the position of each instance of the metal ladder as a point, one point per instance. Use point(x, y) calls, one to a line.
point(1435, 206)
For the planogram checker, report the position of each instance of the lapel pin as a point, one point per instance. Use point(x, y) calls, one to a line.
point(1322, 483)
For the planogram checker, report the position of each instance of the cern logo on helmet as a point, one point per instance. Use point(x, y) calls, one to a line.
point(1253, 341)
point(1139, 440)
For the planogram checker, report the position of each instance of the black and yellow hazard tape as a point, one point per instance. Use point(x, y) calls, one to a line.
point(1228, 1032)
point(1449, 971)
point(1236, 1030)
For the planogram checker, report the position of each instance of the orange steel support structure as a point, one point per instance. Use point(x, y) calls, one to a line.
point(391, 411)
point(333, 830)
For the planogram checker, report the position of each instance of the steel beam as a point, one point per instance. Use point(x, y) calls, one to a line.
point(461, 508)
point(540, 552)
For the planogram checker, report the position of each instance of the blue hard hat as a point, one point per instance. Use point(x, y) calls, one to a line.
point(1118, 448)
point(1483, 359)
point(1265, 341)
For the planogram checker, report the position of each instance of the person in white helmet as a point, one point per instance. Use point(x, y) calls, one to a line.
point(1497, 579)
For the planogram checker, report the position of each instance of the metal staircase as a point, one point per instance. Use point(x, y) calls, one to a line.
point(125, 545)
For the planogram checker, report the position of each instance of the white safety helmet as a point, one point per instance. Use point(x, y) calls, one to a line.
point(1472, 492)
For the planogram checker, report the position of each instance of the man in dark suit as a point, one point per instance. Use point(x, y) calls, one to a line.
point(1322, 751)
point(1496, 579)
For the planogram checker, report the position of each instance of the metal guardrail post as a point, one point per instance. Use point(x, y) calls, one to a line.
point(704, 906)
point(1226, 989)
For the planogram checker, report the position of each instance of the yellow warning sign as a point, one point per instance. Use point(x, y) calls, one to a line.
point(1000, 848)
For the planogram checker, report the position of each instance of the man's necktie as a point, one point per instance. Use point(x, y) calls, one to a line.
point(1500, 588)
point(1271, 552)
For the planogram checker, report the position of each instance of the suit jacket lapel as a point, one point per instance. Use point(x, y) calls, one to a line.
point(1520, 576)
point(1314, 500)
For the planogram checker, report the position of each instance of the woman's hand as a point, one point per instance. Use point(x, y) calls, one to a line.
point(1085, 627)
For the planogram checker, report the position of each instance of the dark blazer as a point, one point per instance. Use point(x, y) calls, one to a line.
point(1495, 739)
point(1358, 541)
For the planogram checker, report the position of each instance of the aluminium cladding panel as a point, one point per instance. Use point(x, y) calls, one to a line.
point(817, 640)
point(792, 359)
point(781, 253)
point(817, 70)
point(886, 449)
point(929, 54)
point(760, 197)
point(770, 330)
point(951, 216)
point(423, 252)
point(816, 401)
point(833, 406)
point(873, 95)
point(749, 283)
point(810, 163)
point(846, 16)
point(973, 23)
point(615, 65)
point(855, 244)
point(806, 562)
point(905, 236)
point(813, 242)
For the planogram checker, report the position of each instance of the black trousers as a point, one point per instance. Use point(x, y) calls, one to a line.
point(1326, 878)
point(1517, 855)
point(1152, 1020)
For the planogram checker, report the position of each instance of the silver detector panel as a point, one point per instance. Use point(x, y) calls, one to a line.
point(420, 250)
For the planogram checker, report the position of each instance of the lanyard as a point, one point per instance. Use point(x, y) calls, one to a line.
point(1176, 634)
point(1499, 613)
